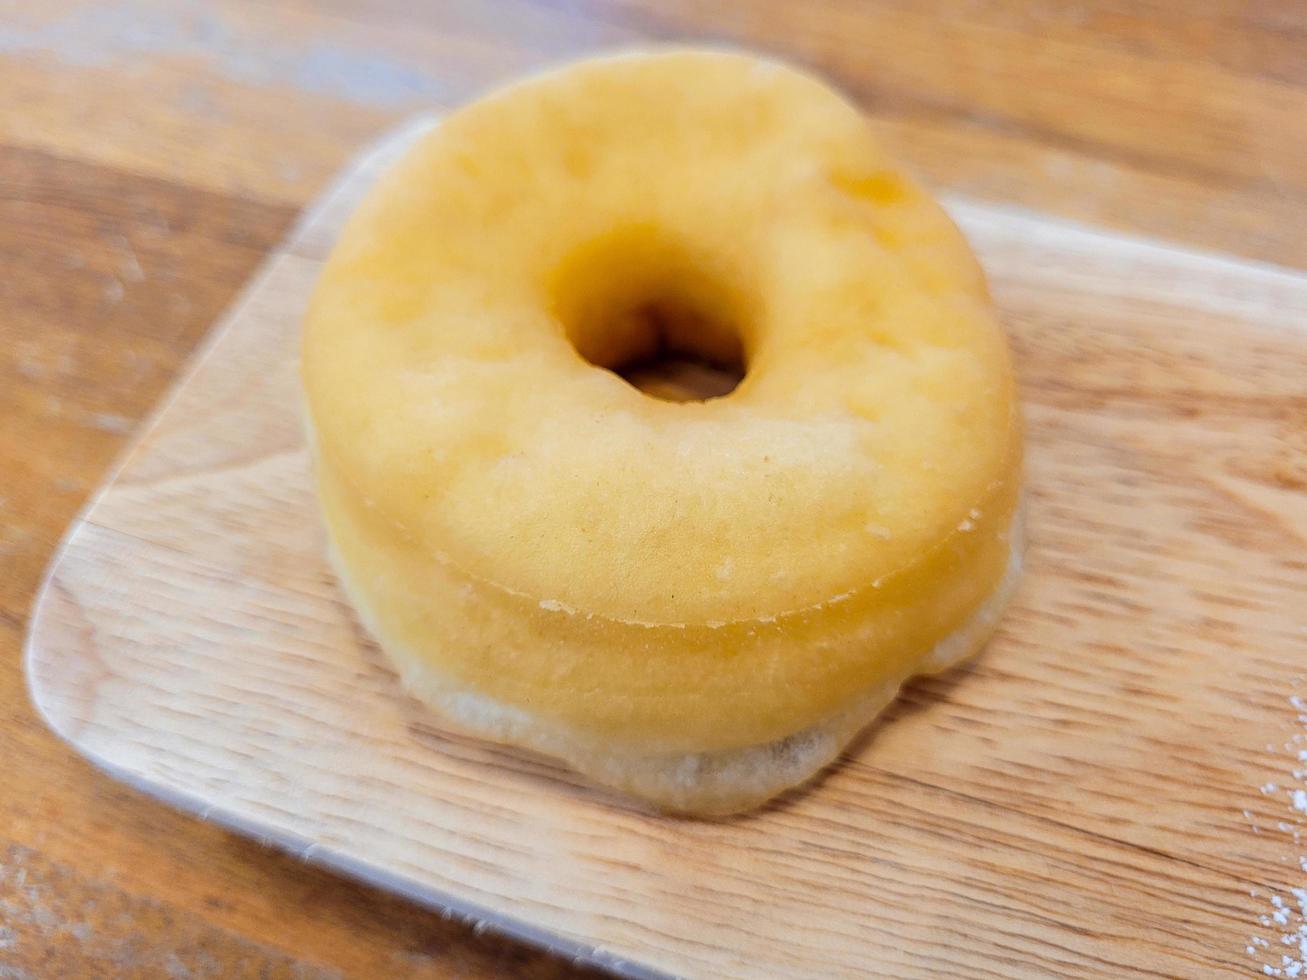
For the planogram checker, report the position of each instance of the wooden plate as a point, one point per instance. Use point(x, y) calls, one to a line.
point(1109, 789)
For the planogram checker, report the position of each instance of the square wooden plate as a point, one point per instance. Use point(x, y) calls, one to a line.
point(1110, 789)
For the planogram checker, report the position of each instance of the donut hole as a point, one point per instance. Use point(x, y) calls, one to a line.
point(654, 313)
point(668, 349)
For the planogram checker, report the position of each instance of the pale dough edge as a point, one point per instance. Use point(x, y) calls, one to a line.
point(699, 784)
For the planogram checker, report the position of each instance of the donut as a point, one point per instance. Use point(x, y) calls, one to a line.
point(696, 602)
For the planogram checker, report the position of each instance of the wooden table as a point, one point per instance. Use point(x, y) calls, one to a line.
point(150, 154)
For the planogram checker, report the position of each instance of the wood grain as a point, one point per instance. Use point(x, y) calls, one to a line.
point(229, 117)
point(1072, 805)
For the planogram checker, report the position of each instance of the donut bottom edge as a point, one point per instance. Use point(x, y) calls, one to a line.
point(699, 784)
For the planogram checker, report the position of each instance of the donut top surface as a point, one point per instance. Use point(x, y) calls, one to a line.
point(456, 348)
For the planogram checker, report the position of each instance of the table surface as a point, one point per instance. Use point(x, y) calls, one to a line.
point(151, 154)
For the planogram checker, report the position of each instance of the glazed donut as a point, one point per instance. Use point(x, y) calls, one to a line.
point(698, 602)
